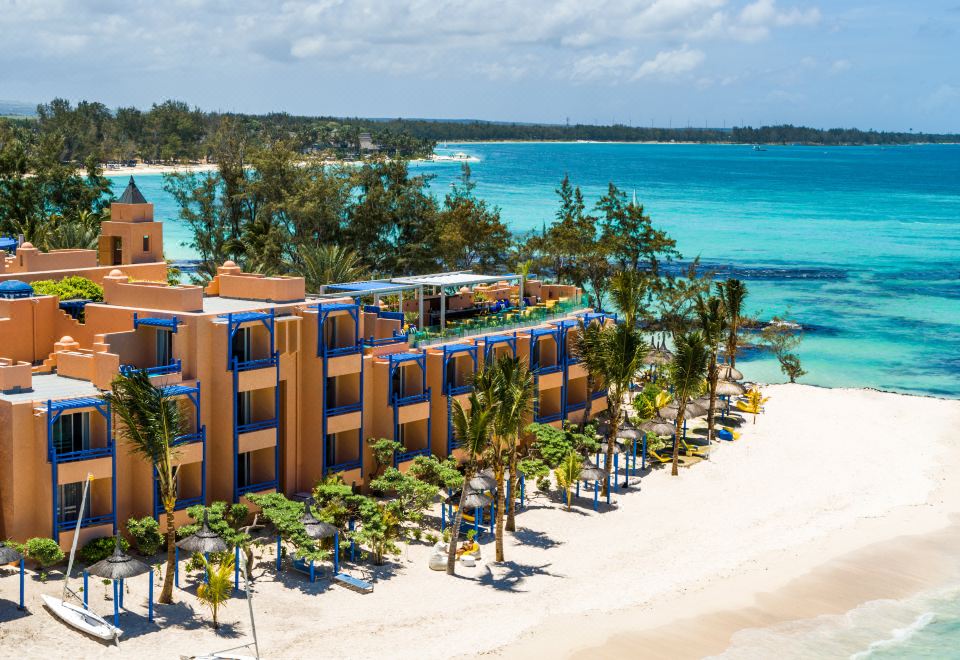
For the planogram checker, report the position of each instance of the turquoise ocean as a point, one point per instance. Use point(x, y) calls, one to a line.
point(861, 245)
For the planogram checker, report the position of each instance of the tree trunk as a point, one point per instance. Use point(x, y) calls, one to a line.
point(712, 408)
point(455, 528)
point(166, 594)
point(512, 504)
point(589, 409)
point(611, 439)
point(501, 498)
point(676, 442)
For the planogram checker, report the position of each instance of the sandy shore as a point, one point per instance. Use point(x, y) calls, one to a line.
point(805, 514)
point(139, 170)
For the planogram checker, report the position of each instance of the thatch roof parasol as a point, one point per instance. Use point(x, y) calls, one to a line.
point(590, 472)
point(8, 555)
point(630, 433)
point(315, 529)
point(726, 372)
point(729, 388)
point(476, 500)
point(659, 427)
point(481, 482)
point(118, 566)
point(203, 541)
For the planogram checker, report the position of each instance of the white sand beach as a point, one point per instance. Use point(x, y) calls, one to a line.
point(141, 169)
point(822, 474)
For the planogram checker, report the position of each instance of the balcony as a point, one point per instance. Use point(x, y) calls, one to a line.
point(344, 409)
point(250, 427)
point(174, 367)
point(547, 418)
point(575, 406)
point(83, 454)
point(410, 399)
point(259, 363)
point(90, 521)
point(257, 487)
point(403, 456)
point(454, 390)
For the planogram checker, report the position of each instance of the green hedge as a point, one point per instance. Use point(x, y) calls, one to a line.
point(73, 287)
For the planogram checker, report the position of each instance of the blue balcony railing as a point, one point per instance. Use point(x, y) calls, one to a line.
point(396, 338)
point(190, 438)
point(262, 363)
point(344, 409)
point(256, 488)
point(329, 351)
point(84, 454)
point(547, 368)
point(345, 466)
point(411, 398)
point(454, 390)
point(580, 405)
point(546, 419)
point(90, 521)
point(599, 394)
point(411, 454)
point(249, 427)
point(174, 367)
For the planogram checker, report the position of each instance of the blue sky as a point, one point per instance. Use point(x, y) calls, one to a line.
point(883, 64)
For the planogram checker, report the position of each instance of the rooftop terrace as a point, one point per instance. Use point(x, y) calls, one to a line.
point(52, 386)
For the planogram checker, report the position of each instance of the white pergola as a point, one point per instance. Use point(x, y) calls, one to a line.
point(454, 279)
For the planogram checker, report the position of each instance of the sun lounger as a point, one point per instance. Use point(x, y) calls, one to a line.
point(354, 583)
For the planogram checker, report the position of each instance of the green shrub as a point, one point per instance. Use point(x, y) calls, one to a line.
point(146, 535)
point(101, 548)
point(46, 552)
point(73, 287)
point(19, 547)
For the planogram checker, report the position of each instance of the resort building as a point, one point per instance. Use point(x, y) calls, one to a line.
point(280, 388)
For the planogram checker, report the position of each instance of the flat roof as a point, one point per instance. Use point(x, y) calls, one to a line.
point(370, 286)
point(52, 386)
point(218, 305)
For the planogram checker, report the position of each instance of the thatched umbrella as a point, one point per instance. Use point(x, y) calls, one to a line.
point(591, 472)
point(630, 433)
point(729, 388)
point(482, 482)
point(726, 372)
point(316, 529)
point(7, 556)
point(694, 409)
point(203, 541)
point(476, 500)
point(118, 566)
point(659, 427)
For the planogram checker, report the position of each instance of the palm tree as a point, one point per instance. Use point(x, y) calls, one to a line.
point(687, 372)
point(218, 587)
point(327, 264)
point(472, 428)
point(612, 355)
point(589, 333)
point(733, 292)
point(627, 290)
point(524, 271)
point(152, 420)
point(515, 396)
point(568, 473)
point(713, 324)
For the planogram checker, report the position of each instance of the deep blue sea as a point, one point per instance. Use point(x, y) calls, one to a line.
point(861, 245)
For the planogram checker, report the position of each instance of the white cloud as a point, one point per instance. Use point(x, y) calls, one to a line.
point(944, 96)
point(839, 66)
point(670, 63)
point(603, 65)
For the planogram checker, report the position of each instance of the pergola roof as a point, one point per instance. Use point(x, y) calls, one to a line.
point(372, 286)
point(454, 279)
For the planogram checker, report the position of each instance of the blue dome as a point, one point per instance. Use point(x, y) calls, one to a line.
point(15, 289)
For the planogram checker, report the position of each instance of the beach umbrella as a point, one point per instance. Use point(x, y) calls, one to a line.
point(119, 565)
point(315, 529)
point(630, 433)
point(204, 541)
point(726, 372)
point(659, 427)
point(8, 555)
point(729, 388)
point(590, 472)
point(694, 409)
point(658, 357)
point(668, 412)
point(476, 500)
point(481, 482)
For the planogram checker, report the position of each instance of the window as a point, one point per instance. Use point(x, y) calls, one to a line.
point(330, 332)
point(69, 497)
point(244, 407)
point(402, 434)
point(72, 432)
point(240, 347)
point(399, 379)
point(330, 449)
point(330, 391)
point(244, 473)
point(164, 347)
point(452, 372)
point(146, 243)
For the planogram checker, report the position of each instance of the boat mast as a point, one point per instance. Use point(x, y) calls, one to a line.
point(76, 536)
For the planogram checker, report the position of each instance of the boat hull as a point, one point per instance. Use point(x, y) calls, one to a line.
point(81, 619)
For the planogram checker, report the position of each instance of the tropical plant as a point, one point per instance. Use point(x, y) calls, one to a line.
point(431, 470)
point(146, 535)
point(755, 401)
point(285, 515)
point(472, 427)
point(523, 270)
point(687, 373)
point(411, 497)
point(782, 336)
point(713, 324)
point(733, 292)
point(384, 450)
point(567, 474)
point(613, 354)
point(380, 528)
point(152, 420)
point(73, 287)
point(216, 590)
point(44, 551)
point(100, 548)
point(327, 264)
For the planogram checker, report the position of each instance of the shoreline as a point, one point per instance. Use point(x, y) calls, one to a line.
point(725, 545)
